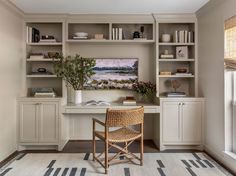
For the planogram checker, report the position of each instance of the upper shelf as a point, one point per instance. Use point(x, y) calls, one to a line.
point(176, 44)
point(113, 41)
point(45, 44)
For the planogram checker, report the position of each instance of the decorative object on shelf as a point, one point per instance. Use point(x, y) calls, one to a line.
point(166, 55)
point(136, 35)
point(80, 35)
point(48, 39)
point(42, 70)
point(53, 55)
point(98, 36)
point(114, 73)
point(142, 35)
point(182, 52)
point(147, 90)
point(175, 85)
point(166, 38)
point(182, 70)
point(76, 71)
point(36, 56)
point(165, 73)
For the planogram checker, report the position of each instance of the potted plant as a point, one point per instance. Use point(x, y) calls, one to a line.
point(147, 90)
point(76, 71)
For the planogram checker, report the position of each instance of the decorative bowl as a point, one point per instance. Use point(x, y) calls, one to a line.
point(81, 34)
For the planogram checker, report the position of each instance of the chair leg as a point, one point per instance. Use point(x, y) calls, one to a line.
point(106, 157)
point(94, 147)
point(141, 150)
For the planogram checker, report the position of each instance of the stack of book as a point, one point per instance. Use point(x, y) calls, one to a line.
point(43, 92)
point(117, 33)
point(129, 101)
point(176, 94)
point(184, 36)
point(32, 35)
point(167, 56)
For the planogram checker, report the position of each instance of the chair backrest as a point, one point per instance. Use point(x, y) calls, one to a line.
point(125, 117)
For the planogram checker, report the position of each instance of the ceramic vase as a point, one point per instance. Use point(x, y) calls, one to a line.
point(78, 96)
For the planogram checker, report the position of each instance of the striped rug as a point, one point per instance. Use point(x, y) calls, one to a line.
point(64, 164)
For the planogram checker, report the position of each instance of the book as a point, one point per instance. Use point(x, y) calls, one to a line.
point(176, 37)
point(167, 56)
point(129, 102)
point(97, 103)
point(184, 74)
point(176, 94)
point(113, 33)
point(120, 34)
point(185, 36)
point(116, 34)
point(47, 40)
point(36, 57)
point(191, 37)
point(181, 36)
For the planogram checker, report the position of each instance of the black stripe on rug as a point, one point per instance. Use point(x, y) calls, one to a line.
point(201, 163)
point(82, 172)
point(51, 164)
point(191, 172)
point(65, 172)
point(5, 172)
point(160, 163)
point(196, 156)
point(186, 163)
point(57, 171)
point(161, 172)
point(86, 157)
point(193, 163)
point(209, 163)
point(73, 171)
point(127, 171)
point(48, 172)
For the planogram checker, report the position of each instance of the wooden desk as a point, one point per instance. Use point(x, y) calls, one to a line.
point(84, 109)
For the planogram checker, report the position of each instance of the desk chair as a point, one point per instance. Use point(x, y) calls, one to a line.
point(124, 120)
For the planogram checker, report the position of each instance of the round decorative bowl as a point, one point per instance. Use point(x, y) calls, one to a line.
point(182, 70)
point(81, 34)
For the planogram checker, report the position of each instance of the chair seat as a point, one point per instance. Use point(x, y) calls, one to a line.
point(121, 135)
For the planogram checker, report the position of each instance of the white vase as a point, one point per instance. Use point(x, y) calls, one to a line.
point(78, 96)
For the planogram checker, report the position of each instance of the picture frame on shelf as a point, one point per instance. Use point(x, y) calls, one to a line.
point(182, 52)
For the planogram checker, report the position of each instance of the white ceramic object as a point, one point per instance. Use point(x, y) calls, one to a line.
point(81, 34)
point(166, 38)
point(78, 96)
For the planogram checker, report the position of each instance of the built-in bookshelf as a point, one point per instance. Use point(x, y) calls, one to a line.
point(39, 55)
point(112, 33)
point(180, 52)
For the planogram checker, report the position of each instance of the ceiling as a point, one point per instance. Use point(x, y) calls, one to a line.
point(109, 6)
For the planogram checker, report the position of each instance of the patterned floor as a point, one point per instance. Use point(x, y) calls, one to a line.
point(163, 164)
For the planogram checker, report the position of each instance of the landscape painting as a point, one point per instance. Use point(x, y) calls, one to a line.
point(114, 73)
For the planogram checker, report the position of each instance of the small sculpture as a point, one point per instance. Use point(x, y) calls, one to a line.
point(175, 84)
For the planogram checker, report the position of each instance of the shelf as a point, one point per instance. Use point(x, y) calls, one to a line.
point(45, 44)
point(112, 41)
point(176, 76)
point(41, 60)
point(176, 44)
point(41, 76)
point(176, 60)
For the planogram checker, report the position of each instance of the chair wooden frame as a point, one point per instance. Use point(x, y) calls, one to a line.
point(124, 119)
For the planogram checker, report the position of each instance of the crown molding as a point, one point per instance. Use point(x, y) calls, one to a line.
point(207, 7)
point(12, 7)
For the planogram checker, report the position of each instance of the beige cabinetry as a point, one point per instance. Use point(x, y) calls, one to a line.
point(38, 122)
point(181, 121)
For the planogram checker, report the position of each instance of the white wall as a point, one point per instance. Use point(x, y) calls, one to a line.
point(11, 32)
point(211, 73)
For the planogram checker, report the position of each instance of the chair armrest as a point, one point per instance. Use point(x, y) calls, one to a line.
point(99, 122)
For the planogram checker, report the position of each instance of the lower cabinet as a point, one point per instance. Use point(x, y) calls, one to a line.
point(38, 122)
point(182, 121)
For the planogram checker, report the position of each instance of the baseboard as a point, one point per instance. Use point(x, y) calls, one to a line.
point(9, 158)
point(221, 158)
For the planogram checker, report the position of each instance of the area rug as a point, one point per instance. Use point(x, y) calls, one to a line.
point(64, 164)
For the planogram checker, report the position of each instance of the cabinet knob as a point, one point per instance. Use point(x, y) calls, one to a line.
point(179, 103)
point(183, 103)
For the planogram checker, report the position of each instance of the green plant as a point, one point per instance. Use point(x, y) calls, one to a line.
point(75, 70)
point(146, 89)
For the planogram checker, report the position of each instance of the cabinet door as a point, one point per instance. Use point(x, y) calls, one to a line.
point(48, 122)
point(28, 125)
point(171, 122)
point(192, 122)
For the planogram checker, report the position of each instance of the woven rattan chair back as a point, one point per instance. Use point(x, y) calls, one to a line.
point(126, 117)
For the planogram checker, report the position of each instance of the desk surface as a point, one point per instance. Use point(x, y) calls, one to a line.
point(93, 109)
